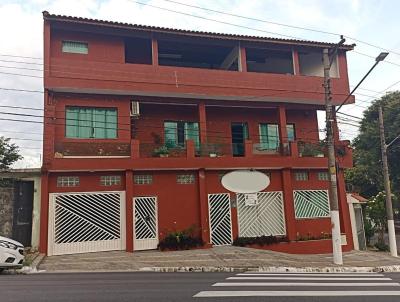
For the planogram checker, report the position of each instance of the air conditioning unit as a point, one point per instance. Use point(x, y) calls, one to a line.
point(135, 109)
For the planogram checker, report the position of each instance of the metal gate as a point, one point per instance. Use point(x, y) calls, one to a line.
point(86, 222)
point(262, 218)
point(360, 227)
point(219, 209)
point(146, 224)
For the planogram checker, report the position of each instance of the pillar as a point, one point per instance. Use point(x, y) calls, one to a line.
point(129, 209)
point(289, 204)
point(204, 220)
point(154, 51)
point(344, 213)
point(283, 136)
point(296, 64)
point(202, 122)
point(44, 212)
point(242, 59)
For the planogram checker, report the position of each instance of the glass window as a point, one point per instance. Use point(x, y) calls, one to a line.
point(67, 181)
point(110, 180)
point(291, 132)
point(301, 176)
point(324, 176)
point(75, 47)
point(176, 133)
point(143, 179)
point(269, 137)
point(185, 178)
point(85, 122)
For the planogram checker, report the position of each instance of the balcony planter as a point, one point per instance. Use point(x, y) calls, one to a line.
point(213, 155)
point(162, 151)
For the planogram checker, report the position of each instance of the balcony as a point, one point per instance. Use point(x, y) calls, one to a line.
point(91, 149)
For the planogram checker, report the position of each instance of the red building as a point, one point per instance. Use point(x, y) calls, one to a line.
point(142, 122)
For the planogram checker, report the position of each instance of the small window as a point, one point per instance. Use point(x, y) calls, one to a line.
point(67, 181)
point(91, 122)
point(324, 176)
point(185, 179)
point(301, 176)
point(75, 47)
point(143, 179)
point(110, 180)
point(291, 132)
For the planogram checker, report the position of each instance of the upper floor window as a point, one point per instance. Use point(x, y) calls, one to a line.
point(177, 133)
point(311, 64)
point(291, 132)
point(91, 122)
point(269, 61)
point(75, 47)
point(269, 137)
point(138, 51)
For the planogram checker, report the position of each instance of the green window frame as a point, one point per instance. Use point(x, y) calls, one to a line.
point(177, 133)
point(291, 132)
point(269, 136)
point(75, 47)
point(91, 122)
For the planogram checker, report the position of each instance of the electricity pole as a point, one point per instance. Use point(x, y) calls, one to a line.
point(328, 57)
point(389, 208)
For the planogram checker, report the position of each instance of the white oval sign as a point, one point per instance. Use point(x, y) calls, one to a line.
point(245, 181)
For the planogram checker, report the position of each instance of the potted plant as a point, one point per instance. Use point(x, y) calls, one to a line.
point(162, 151)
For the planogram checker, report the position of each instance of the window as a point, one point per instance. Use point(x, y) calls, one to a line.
point(269, 61)
point(324, 176)
point(67, 181)
point(110, 180)
point(143, 179)
point(84, 122)
point(291, 132)
point(176, 133)
point(311, 64)
point(138, 51)
point(185, 179)
point(301, 176)
point(75, 47)
point(269, 137)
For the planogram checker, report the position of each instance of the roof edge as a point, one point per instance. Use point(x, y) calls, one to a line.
point(90, 21)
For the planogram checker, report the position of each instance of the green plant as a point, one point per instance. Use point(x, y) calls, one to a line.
point(311, 149)
point(260, 240)
point(382, 246)
point(163, 150)
point(180, 240)
point(376, 213)
point(369, 230)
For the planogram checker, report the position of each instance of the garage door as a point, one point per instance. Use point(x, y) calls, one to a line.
point(86, 222)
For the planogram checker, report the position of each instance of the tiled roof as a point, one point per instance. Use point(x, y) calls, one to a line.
point(89, 21)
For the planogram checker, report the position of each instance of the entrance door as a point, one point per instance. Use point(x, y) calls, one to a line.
point(239, 135)
point(219, 207)
point(22, 214)
point(360, 227)
point(146, 224)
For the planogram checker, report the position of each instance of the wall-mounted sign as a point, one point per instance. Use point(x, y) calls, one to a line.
point(245, 181)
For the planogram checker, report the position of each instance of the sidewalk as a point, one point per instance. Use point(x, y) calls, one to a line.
point(226, 258)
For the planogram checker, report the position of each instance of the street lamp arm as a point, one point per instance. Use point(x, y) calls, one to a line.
point(393, 141)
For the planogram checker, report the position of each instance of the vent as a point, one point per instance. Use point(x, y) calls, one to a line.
point(135, 108)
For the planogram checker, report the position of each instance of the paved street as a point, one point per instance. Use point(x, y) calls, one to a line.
point(201, 287)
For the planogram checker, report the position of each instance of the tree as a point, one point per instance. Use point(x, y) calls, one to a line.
point(366, 176)
point(9, 153)
point(376, 213)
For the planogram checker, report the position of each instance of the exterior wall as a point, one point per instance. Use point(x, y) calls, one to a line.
point(6, 211)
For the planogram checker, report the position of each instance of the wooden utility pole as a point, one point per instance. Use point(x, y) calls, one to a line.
point(388, 193)
point(333, 193)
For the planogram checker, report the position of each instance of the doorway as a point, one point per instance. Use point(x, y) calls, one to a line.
point(240, 134)
point(22, 211)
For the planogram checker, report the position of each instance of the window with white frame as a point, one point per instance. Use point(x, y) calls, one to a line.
point(67, 181)
point(184, 179)
point(324, 176)
point(143, 179)
point(110, 180)
point(301, 175)
point(75, 47)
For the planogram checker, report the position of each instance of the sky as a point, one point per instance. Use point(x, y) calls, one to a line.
point(371, 24)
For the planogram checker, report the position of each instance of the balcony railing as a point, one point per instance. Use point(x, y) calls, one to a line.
point(65, 149)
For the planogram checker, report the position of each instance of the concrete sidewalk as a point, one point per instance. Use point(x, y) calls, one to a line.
point(226, 258)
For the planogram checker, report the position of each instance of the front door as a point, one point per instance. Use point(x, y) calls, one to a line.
point(146, 224)
point(239, 135)
point(22, 214)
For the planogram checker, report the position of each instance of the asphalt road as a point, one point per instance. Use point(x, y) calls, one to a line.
point(199, 287)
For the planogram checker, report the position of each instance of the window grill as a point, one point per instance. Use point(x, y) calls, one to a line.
point(324, 176)
point(67, 181)
point(143, 179)
point(110, 180)
point(75, 47)
point(301, 176)
point(185, 179)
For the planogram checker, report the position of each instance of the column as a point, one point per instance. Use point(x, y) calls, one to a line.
point(242, 59)
point(283, 136)
point(296, 64)
point(154, 51)
point(344, 213)
point(129, 209)
point(44, 212)
point(204, 221)
point(202, 122)
point(289, 204)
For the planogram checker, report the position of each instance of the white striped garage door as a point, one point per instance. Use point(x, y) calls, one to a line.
point(265, 218)
point(86, 222)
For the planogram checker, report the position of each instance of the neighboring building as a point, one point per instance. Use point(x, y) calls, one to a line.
point(142, 122)
point(20, 205)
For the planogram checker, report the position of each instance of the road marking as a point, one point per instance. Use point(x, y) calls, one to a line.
point(208, 294)
point(312, 278)
point(314, 274)
point(266, 284)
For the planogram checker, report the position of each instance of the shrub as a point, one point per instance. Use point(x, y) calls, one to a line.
point(180, 240)
point(261, 240)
